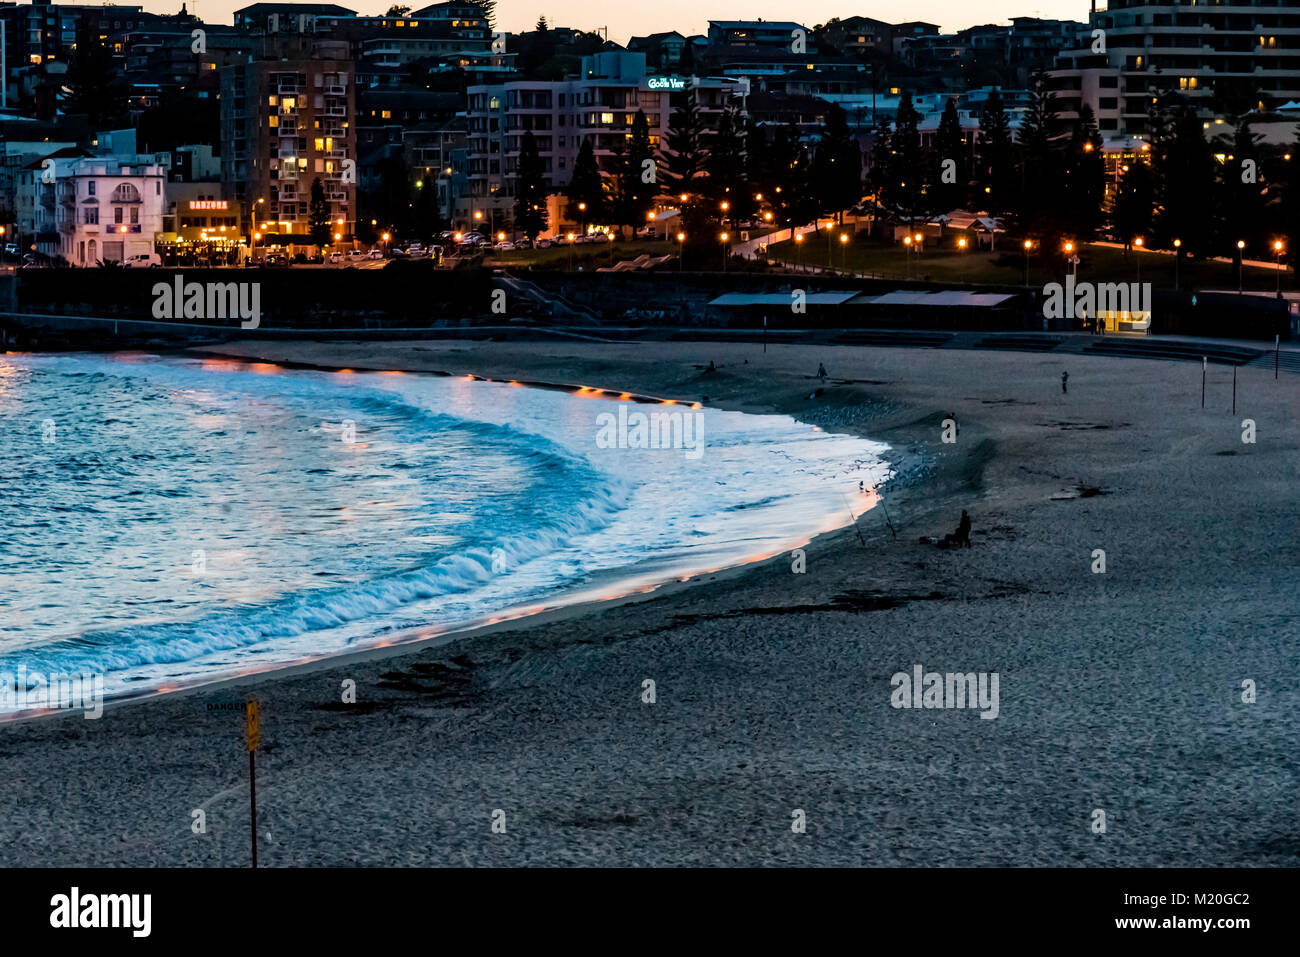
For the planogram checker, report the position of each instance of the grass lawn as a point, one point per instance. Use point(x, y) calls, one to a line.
point(1098, 264)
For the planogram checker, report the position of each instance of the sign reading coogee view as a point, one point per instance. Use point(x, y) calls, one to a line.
point(665, 83)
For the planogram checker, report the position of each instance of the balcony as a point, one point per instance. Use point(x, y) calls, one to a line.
point(283, 130)
point(336, 90)
point(337, 197)
point(339, 111)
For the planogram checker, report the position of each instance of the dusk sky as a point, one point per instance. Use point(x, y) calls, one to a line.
point(628, 19)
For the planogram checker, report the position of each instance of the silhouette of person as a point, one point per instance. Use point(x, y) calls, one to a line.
point(821, 371)
point(963, 529)
point(1065, 377)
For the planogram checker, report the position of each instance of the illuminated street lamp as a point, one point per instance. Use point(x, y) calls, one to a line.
point(1241, 263)
point(1277, 264)
point(798, 251)
point(1029, 244)
point(724, 237)
point(681, 247)
point(1178, 255)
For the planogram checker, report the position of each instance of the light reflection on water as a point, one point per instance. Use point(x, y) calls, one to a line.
point(195, 518)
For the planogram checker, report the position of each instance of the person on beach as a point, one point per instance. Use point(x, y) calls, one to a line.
point(1065, 377)
point(821, 371)
point(963, 529)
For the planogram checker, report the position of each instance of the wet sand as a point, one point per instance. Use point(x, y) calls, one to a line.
point(1119, 692)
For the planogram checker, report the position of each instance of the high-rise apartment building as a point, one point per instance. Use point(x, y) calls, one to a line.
point(288, 120)
point(1225, 56)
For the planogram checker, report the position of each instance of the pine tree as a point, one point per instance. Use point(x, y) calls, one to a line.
point(906, 189)
point(951, 166)
point(995, 174)
point(684, 156)
point(530, 189)
point(1041, 214)
point(1135, 199)
point(1241, 208)
point(1184, 167)
point(318, 215)
point(837, 164)
point(640, 174)
point(725, 165)
point(1085, 176)
point(586, 186)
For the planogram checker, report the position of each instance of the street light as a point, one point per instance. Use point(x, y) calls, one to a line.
point(1178, 254)
point(724, 237)
point(1277, 264)
point(570, 237)
point(844, 242)
point(1138, 243)
point(1241, 263)
point(681, 246)
point(1029, 244)
point(798, 251)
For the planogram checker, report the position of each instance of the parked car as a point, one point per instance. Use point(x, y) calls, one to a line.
point(524, 243)
point(375, 253)
point(543, 244)
point(144, 261)
point(356, 254)
point(505, 246)
point(336, 258)
point(414, 250)
point(276, 261)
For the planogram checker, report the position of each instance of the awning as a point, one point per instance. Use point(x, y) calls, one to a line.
point(783, 299)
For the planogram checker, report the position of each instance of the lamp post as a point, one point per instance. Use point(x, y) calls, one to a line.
point(1138, 259)
point(798, 252)
point(570, 237)
point(724, 237)
point(844, 244)
point(681, 247)
point(1178, 254)
point(1029, 244)
point(907, 256)
point(1241, 263)
point(1277, 264)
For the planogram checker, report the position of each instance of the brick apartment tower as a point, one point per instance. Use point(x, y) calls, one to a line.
point(287, 118)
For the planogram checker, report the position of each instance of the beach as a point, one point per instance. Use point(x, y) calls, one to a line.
point(1120, 691)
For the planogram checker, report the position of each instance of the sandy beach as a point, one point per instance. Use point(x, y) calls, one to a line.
point(1120, 692)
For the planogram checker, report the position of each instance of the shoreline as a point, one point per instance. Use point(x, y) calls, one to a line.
point(568, 603)
point(773, 687)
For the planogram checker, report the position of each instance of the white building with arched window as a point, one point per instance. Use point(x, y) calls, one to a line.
point(108, 210)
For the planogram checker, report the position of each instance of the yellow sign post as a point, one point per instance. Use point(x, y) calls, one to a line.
point(253, 732)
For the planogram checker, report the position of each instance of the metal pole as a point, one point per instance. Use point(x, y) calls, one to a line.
point(1275, 342)
point(1234, 390)
point(1204, 361)
point(252, 801)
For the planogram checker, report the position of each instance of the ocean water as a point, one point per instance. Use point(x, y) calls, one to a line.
point(165, 521)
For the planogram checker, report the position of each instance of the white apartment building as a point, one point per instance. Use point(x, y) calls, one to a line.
point(92, 209)
point(1224, 56)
